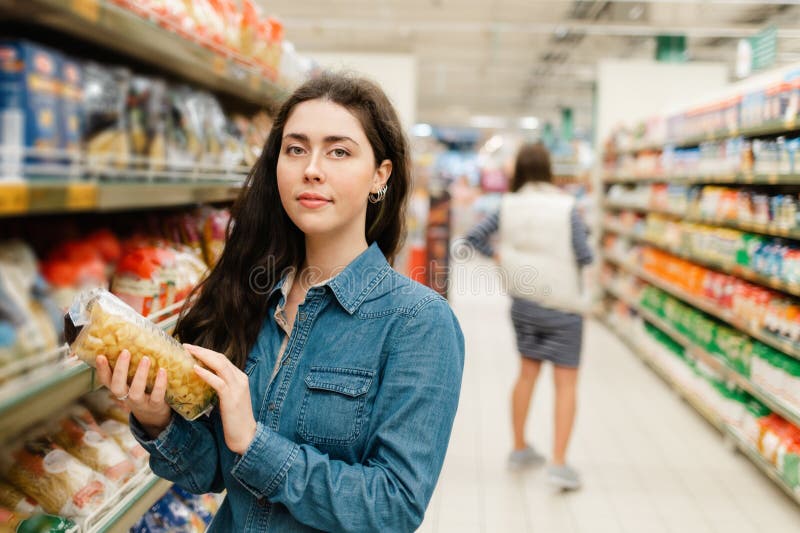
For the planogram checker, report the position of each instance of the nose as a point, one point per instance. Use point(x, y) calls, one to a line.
point(313, 172)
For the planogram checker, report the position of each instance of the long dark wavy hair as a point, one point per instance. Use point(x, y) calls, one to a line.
point(230, 305)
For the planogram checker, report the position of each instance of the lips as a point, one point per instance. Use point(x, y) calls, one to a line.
point(312, 200)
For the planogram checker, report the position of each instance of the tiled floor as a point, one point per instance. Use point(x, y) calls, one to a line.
point(650, 463)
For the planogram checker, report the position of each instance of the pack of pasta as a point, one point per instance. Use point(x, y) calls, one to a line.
point(99, 323)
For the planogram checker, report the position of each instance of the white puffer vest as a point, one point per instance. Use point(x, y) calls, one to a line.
point(536, 252)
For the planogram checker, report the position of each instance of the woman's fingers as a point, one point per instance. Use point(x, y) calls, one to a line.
point(160, 387)
point(213, 360)
point(138, 388)
point(103, 370)
point(216, 382)
point(119, 379)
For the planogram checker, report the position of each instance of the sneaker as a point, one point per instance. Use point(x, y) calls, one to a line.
point(524, 458)
point(563, 477)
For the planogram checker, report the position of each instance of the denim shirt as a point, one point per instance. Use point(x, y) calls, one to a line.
point(353, 422)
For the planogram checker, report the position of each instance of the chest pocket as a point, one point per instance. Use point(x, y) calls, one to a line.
point(332, 412)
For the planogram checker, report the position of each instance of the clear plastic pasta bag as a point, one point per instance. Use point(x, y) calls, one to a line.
point(79, 434)
point(58, 481)
point(99, 323)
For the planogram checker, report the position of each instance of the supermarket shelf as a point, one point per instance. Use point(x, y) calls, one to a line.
point(130, 507)
point(727, 268)
point(788, 347)
point(34, 197)
point(740, 442)
point(40, 394)
point(642, 209)
point(761, 462)
point(762, 229)
point(711, 417)
point(771, 128)
point(33, 399)
point(105, 24)
point(743, 178)
point(776, 404)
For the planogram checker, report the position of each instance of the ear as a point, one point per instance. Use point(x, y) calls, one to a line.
point(381, 176)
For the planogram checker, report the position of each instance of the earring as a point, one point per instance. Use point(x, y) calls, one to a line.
point(379, 196)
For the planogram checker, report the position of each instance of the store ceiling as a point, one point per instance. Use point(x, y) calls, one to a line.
point(511, 58)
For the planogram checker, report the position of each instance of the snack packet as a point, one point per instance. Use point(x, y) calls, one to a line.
point(99, 323)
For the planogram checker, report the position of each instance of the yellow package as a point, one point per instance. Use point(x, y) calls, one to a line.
point(99, 323)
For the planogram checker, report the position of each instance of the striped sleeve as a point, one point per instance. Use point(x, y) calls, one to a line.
point(478, 237)
point(580, 243)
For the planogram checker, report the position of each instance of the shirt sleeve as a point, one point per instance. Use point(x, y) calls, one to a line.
point(580, 239)
point(180, 449)
point(478, 237)
point(410, 427)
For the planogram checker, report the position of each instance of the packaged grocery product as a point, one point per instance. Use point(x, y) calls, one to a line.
point(29, 103)
point(25, 300)
point(214, 232)
point(19, 522)
point(11, 498)
point(106, 136)
point(77, 432)
point(58, 481)
point(70, 113)
point(204, 505)
point(121, 433)
point(98, 323)
point(103, 404)
point(170, 513)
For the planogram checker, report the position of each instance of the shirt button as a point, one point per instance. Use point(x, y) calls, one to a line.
point(285, 361)
point(302, 316)
point(262, 502)
point(272, 406)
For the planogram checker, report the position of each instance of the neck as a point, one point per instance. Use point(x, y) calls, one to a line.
point(326, 257)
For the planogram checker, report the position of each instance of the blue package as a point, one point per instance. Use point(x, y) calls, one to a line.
point(29, 97)
point(70, 116)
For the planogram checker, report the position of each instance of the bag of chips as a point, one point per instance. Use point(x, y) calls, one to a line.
point(99, 323)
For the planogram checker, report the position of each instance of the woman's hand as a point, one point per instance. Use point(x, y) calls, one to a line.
point(150, 410)
point(233, 388)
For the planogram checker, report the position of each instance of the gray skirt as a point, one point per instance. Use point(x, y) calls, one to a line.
point(546, 334)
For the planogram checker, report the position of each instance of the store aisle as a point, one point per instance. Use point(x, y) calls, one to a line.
point(650, 463)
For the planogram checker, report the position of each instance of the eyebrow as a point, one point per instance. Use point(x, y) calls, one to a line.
point(329, 139)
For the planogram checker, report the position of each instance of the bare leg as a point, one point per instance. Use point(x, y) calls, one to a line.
point(566, 380)
point(521, 398)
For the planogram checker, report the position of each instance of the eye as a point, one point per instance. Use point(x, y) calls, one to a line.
point(295, 150)
point(339, 153)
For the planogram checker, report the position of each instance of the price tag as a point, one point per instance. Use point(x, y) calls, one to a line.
point(88, 9)
point(81, 196)
point(219, 65)
point(13, 198)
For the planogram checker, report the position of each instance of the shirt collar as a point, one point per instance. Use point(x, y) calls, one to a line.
point(352, 285)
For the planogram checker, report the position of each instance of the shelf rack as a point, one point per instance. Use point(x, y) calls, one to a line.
point(724, 267)
point(730, 433)
point(112, 27)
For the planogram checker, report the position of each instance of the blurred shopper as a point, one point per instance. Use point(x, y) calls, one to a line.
point(542, 249)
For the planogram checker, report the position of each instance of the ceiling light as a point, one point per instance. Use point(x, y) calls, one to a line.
point(486, 121)
point(422, 130)
point(529, 123)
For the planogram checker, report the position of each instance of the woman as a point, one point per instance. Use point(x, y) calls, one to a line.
point(338, 378)
point(542, 248)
